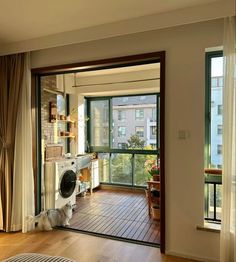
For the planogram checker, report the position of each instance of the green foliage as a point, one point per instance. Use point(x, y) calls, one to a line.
point(140, 173)
point(135, 142)
point(121, 168)
point(121, 165)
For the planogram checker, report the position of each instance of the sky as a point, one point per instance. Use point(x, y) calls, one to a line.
point(217, 66)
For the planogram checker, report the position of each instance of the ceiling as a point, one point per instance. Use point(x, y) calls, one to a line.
point(119, 70)
point(28, 25)
point(27, 19)
point(138, 79)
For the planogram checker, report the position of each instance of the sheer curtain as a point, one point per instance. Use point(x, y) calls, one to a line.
point(23, 181)
point(228, 233)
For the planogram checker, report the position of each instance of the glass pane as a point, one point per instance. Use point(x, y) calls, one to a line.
point(216, 111)
point(210, 201)
point(121, 168)
point(134, 122)
point(99, 123)
point(218, 201)
point(141, 175)
point(103, 163)
point(139, 130)
point(210, 195)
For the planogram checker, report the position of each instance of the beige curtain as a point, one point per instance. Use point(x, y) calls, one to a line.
point(11, 77)
point(23, 179)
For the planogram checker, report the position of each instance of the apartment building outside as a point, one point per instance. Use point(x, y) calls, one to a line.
point(216, 123)
point(135, 115)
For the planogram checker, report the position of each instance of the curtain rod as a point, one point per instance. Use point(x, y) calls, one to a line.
point(119, 82)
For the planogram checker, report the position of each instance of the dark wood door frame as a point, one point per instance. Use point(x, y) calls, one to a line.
point(96, 65)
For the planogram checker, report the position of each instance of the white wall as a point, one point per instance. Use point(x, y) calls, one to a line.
point(185, 62)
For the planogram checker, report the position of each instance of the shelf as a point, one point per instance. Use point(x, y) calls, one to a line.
point(66, 136)
point(66, 121)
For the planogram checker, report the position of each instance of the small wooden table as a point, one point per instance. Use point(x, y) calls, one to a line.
point(156, 185)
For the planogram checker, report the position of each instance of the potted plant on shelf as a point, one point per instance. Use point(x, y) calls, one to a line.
point(153, 168)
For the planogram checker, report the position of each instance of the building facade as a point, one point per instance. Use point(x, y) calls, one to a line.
point(134, 115)
point(216, 121)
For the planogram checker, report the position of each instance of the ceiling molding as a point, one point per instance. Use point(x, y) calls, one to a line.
point(195, 14)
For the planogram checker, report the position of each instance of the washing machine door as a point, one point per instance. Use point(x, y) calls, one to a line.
point(67, 184)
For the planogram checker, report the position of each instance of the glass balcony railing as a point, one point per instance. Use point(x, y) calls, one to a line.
point(124, 168)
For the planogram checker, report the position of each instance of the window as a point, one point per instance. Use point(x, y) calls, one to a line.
point(154, 146)
point(153, 130)
point(220, 81)
point(124, 113)
point(213, 135)
point(219, 129)
point(122, 145)
point(219, 149)
point(121, 115)
point(112, 121)
point(214, 82)
point(139, 114)
point(139, 130)
point(121, 131)
point(99, 123)
point(219, 109)
point(217, 81)
point(213, 121)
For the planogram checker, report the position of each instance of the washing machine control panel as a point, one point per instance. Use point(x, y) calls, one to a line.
point(66, 164)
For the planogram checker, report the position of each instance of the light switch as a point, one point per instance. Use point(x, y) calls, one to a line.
point(183, 134)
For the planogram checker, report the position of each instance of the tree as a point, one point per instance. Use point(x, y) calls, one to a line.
point(135, 142)
point(121, 168)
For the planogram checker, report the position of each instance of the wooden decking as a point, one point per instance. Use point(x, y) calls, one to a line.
point(117, 214)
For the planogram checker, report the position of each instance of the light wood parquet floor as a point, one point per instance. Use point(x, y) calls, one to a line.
point(80, 247)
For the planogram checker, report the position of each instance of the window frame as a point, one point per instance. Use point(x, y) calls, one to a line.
point(121, 113)
point(88, 146)
point(219, 110)
point(207, 152)
point(210, 179)
point(120, 132)
point(136, 132)
point(219, 129)
point(143, 58)
point(138, 118)
point(153, 128)
point(219, 149)
point(109, 149)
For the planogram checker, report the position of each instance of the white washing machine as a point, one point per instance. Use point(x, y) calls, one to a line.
point(59, 183)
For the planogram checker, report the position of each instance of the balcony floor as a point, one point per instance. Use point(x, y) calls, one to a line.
point(118, 214)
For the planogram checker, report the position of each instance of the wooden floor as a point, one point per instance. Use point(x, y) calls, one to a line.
point(117, 214)
point(79, 247)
